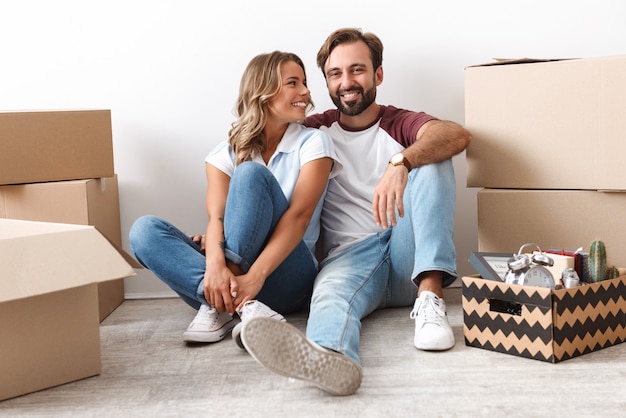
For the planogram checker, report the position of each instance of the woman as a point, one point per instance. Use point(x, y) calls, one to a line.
point(265, 190)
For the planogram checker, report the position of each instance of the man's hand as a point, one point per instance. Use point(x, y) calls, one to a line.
point(388, 196)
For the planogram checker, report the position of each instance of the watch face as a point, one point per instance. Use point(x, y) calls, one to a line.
point(397, 159)
point(539, 276)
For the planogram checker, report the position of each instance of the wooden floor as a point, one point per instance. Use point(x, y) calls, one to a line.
point(147, 371)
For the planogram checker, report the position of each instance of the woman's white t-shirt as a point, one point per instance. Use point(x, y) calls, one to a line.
point(298, 146)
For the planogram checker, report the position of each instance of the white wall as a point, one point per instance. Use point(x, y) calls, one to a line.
point(169, 71)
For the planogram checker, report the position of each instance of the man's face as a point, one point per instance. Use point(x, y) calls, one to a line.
point(351, 78)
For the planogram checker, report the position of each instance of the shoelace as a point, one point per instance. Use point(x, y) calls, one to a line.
point(432, 311)
point(250, 308)
point(206, 316)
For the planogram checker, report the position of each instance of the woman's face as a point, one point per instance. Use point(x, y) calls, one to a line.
point(290, 104)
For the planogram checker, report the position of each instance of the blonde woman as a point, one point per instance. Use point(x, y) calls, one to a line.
point(264, 198)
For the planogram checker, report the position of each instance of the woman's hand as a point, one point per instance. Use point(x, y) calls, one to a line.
point(248, 288)
point(220, 284)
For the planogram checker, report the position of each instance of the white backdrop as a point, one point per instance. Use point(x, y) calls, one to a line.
point(169, 71)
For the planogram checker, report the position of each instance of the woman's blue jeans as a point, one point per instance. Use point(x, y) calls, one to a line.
point(254, 206)
point(381, 271)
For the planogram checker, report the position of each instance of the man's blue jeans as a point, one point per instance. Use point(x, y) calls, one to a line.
point(255, 204)
point(381, 271)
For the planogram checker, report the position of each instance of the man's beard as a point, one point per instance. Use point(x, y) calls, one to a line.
point(355, 107)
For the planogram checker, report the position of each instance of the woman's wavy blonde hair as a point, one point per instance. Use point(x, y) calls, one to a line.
point(261, 81)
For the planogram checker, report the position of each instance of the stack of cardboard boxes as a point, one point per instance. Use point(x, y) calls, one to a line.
point(61, 263)
point(548, 151)
point(57, 166)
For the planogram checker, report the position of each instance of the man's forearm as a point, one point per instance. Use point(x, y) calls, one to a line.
point(437, 140)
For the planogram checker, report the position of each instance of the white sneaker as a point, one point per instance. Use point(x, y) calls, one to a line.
point(283, 349)
point(209, 325)
point(252, 309)
point(432, 330)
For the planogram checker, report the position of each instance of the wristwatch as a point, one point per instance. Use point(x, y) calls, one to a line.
point(400, 159)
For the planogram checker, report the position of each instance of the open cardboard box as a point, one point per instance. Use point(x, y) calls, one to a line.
point(540, 323)
point(49, 322)
point(83, 202)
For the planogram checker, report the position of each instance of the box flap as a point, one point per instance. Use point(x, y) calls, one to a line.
point(129, 258)
point(41, 257)
point(508, 61)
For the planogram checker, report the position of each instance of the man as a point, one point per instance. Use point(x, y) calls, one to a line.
point(387, 224)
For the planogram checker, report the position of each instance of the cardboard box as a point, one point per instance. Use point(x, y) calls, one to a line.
point(49, 324)
point(559, 219)
point(547, 125)
point(543, 324)
point(42, 146)
point(85, 202)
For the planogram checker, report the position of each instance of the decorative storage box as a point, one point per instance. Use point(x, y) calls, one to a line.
point(543, 324)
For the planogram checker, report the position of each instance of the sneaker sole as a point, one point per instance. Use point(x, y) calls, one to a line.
point(237, 335)
point(237, 330)
point(285, 350)
point(433, 347)
point(208, 337)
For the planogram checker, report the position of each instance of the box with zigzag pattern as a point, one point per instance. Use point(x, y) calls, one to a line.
point(540, 323)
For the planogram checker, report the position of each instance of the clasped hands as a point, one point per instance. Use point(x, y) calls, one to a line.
point(226, 287)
